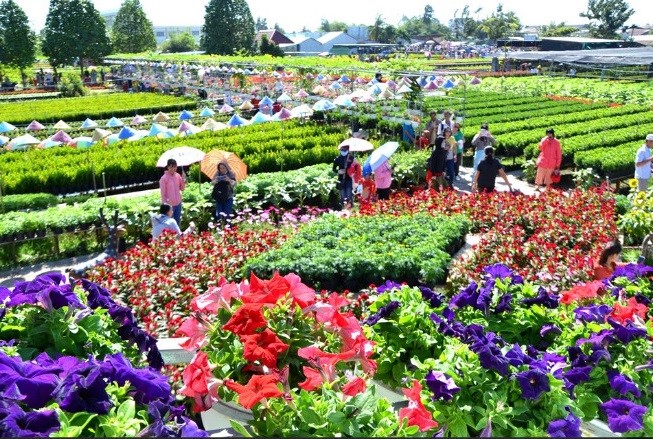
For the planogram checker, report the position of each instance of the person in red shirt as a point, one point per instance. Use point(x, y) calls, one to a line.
point(422, 142)
point(549, 159)
point(608, 260)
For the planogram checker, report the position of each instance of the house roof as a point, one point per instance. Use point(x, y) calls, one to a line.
point(274, 36)
point(621, 56)
point(329, 36)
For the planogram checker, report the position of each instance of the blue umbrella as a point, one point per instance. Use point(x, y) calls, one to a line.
point(260, 118)
point(185, 115)
point(449, 84)
point(367, 169)
point(206, 112)
point(381, 155)
point(236, 121)
point(266, 101)
point(114, 122)
point(344, 79)
point(323, 105)
point(6, 127)
point(156, 129)
point(88, 124)
point(126, 133)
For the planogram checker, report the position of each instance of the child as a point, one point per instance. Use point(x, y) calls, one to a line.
point(369, 189)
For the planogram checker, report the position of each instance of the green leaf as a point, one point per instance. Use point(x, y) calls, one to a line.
point(336, 417)
point(458, 428)
point(127, 410)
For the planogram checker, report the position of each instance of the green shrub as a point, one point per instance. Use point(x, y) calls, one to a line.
point(354, 252)
point(28, 201)
point(71, 86)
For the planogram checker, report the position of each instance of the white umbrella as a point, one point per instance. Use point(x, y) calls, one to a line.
point(302, 111)
point(357, 144)
point(284, 98)
point(184, 155)
point(382, 154)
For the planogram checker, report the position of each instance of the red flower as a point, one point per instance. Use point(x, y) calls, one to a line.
point(266, 291)
point(246, 320)
point(328, 314)
point(199, 383)
point(588, 290)
point(354, 387)
point(622, 314)
point(314, 379)
point(263, 347)
point(217, 297)
point(416, 413)
point(258, 388)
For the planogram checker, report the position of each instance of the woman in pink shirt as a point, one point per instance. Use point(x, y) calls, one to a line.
point(549, 159)
point(383, 179)
point(172, 184)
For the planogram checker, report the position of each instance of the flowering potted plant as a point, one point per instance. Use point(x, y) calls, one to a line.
point(299, 363)
point(75, 363)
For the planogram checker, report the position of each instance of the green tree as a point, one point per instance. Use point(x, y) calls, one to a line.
point(332, 26)
point(427, 16)
point(74, 30)
point(17, 40)
point(132, 32)
point(464, 26)
point(266, 47)
point(415, 27)
point(261, 24)
point(607, 16)
point(500, 24)
point(557, 30)
point(180, 42)
point(228, 27)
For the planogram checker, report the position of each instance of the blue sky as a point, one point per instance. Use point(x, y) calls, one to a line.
point(292, 15)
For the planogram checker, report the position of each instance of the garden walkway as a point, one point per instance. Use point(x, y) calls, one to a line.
point(7, 278)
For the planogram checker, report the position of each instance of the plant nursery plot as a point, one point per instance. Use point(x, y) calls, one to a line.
point(354, 252)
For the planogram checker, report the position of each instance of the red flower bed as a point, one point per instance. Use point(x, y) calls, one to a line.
point(159, 280)
point(551, 237)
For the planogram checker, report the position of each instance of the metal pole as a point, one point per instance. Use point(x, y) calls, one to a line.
point(2, 203)
point(104, 185)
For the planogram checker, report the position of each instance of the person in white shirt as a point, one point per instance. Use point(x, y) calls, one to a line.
point(643, 161)
point(445, 123)
point(165, 221)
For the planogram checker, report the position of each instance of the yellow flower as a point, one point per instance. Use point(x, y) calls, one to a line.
point(632, 183)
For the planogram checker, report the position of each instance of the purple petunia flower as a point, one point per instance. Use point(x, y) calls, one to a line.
point(441, 385)
point(484, 297)
point(640, 298)
point(517, 357)
point(623, 415)
point(549, 329)
point(577, 357)
point(148, 384)
point(626, 333)
point(384, 312)
point(465, 297)
point(543, 299)
point(533, 383)
point(631, 271)
point(387, 286)
point(568, 427)
point(190, 429)
point(48, 290)
point(98, 297)
point(499, 271)
point(578, 375)
point(622, 384)
point(29, 383)
point(84, 390)
point(490, 358)
point(598, 339)
point(434, 299)
point(504, 304)
point(18, 423)
point(594, 313)
point(487, 431)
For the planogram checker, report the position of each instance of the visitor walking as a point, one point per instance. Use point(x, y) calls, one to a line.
point(480, 141)
point(450, 145)
point(436, 165)
point(487, 172)
point(383, 179)
point(432, 127)
point(341, 165)
point(549, 159)
point(643, 161)
point(460, 144)
point(224, 182)
point(172, 185)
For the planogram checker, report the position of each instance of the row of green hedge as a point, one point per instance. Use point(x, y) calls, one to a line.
point(335, 253)
point(94, 106)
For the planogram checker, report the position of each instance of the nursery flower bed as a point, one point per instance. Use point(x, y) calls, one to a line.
point(513, 358)
point(160, 279)
point(75, 363)
point(335, 252)
point(553, 237)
